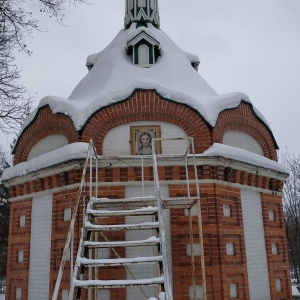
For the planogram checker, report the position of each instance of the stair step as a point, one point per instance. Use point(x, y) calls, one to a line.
point(115, 213)
point(106, 284)
point(127, 203)
point(142, 226)
point(152, 241)
point(119, 261)
point(139, 202)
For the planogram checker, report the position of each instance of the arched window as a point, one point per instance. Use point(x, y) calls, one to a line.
point(47, 144)
point(143, 55)
point(242, 140)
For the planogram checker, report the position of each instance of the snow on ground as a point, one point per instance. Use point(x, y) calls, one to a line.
point(2, 297)
point(295, 291)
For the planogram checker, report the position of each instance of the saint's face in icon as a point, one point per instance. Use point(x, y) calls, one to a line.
point(145, 141)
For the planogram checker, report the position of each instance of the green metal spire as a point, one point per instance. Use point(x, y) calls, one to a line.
point(141, 12)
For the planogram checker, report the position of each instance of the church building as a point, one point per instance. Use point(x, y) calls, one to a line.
point(146, 184)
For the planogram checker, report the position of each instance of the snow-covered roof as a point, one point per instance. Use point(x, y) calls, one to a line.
point(79, 151)
point(245, 156)
point(114, 78)
point(72, 151)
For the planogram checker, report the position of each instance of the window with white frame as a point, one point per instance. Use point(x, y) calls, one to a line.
point(22, 221)
point(274, 249)
point(20, 256)
point(64, 294)
point(194, 211)
point(233, 290)
point(278, 285)
point(143, 55)
point(226, 210)
point(18, 292)
point(196, 248)
point(271, 215)
point(103, 294)
point(198, 290)
point(67, 214)
point(68, 254)
point(230, 249)
point(103, 253)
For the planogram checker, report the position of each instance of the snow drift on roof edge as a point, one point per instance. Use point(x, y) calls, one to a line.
point(114, 77)
point(79, 150)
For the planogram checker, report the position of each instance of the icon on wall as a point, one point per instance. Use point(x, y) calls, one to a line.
point(141, 139)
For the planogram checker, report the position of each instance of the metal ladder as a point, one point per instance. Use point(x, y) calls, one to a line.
point(105, 227)
point(90, 269)
point(95, 236)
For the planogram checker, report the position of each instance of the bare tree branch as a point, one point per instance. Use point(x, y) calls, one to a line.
point(291, 201)
point(16, 23)
point(4, 215)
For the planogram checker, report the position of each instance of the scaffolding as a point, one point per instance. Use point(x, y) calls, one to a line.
point(90, 181)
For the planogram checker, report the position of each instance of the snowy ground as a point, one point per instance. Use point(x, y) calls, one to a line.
point(295, 292)
point(2, 297)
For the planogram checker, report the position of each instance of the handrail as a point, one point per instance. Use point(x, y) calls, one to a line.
point(167, 279)
point(93, 191)
point(72, 223)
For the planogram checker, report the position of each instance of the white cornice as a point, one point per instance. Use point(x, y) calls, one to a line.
point(135, 161)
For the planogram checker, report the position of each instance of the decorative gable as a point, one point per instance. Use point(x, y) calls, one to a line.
point(142, 11)
point(144, 50)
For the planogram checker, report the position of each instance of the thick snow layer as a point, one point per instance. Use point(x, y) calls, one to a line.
point(161, 296)
point(83, 283)
point(86, 261)
point(63, 154)
point(79, 151)
point(114, 77)
point(244, 156)
point(295, 291)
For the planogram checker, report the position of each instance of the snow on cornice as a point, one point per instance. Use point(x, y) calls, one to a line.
point(64, 154)
point(79, 150)
point(114, 78)
point(245, 156)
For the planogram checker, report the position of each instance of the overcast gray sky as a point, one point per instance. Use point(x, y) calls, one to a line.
point(250, 46)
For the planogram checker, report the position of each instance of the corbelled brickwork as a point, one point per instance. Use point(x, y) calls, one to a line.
point(220, 187)
point(243, 119)
point(146, 105)
point(128, 174)
point(45, 124)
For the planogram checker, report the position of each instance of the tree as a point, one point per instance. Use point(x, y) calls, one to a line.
point(4, 217)
point(291, 200)
point(15, 24)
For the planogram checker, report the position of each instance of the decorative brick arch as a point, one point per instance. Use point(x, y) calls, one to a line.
point(243, 119)
point(45, 124)
point(146, 105)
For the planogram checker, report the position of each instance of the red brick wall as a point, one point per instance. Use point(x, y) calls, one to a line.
point(221, 269)
point(45, 124)
point(19, 240)
point(146, 105)
point(61, 201)
point(275, 234)
point(242, 119)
